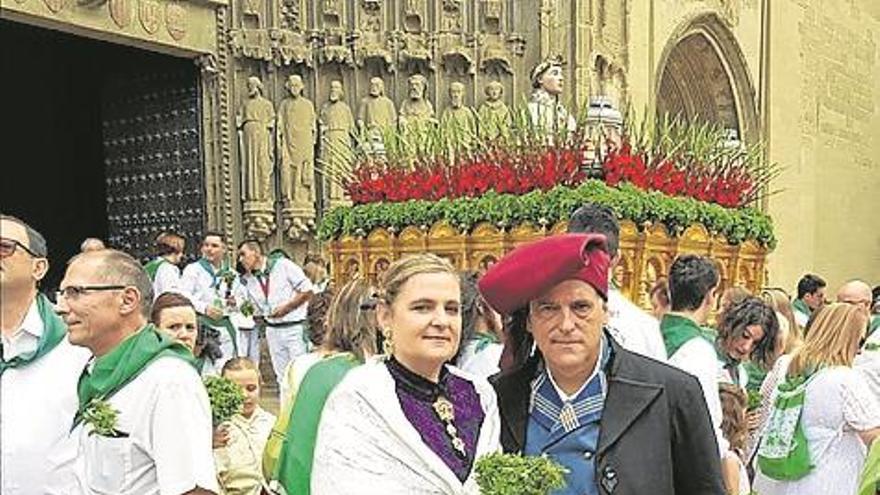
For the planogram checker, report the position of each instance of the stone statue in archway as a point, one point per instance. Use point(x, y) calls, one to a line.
point(376, 111)
point(296, 140)
point(547, 113)
point(256, 119)
point(494, 114)
point(458, 119)
point(416, 110)
point(337, 128)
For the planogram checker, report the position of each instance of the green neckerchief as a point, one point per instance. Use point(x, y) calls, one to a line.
point(124, 363)
point(678, 330)
point(294, 468)
point(730, 365)
point(784, 453)
point(54, 331)
point(483, 340)
point(153, 266)
point(756, 376)
point(870, 484)
point(270, 264)
point(801, 306)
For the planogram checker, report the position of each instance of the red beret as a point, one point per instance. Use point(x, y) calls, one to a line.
point(531, 270)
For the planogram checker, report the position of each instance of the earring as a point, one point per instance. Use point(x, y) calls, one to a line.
point(388, 343)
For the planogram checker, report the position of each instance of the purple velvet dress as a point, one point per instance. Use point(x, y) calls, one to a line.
point(417, 395)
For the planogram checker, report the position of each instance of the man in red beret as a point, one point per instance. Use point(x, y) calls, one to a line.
point(619, 422)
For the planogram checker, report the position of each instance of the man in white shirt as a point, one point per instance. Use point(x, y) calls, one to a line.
point(216, 292)
point(159, 439)
point(38, 372)
point(163, 269)
point(281, 291)
point(634, 329)
point(693, 281)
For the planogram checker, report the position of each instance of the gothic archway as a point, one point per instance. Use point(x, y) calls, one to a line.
point(703, 76)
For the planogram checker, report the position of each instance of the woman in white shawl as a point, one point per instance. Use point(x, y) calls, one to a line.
point(409, 423)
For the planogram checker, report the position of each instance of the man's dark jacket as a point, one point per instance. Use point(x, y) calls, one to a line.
point(655, 433)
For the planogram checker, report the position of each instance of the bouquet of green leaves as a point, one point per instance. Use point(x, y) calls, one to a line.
point(101, 415)
point(755, 398)
point(513, 474)
point(226, 398)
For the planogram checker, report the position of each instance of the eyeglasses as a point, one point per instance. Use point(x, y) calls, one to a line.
point(8, 246)
point(75, 291)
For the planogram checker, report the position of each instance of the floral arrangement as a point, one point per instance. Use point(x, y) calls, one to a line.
point(226, 398)
point(512, 474)
point(545, 208)
point(102, 417)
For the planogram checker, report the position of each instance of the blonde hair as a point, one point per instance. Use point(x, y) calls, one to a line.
point(833, 339)
point(405, 268)
point(239, 364)
point(315, 270)
point(351, 320)
point(778, 299)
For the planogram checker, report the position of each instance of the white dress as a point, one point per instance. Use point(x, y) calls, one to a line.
point(838, 404)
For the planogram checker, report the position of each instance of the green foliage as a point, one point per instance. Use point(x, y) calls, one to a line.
point(226, 398)
point(546, 208)
point(513, 474)
point(102, 417)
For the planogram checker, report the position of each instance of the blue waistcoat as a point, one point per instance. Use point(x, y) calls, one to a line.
point(568, 432)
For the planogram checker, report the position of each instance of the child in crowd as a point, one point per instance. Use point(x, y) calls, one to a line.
point(734, 429)
point(239, 443)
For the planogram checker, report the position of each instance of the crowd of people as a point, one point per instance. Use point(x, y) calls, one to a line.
point(399, 385)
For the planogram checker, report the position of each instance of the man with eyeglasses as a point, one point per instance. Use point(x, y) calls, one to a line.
point(143, 420)
point(38, 371)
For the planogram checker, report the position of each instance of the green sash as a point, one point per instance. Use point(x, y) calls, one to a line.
point(226, 323)
point(784, 453)
point(153, 266)
point(870, 484)
point(54, 331)
point(294, 469)
point(677, 331)
point(123, 364)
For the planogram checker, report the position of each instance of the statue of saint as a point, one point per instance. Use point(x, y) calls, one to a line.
point(337, 127)
point(296, 140)
point(545, 110)
point(494, 114)
point(377, 110)
point(416, 110)
point(458, 119)
point(256, 119)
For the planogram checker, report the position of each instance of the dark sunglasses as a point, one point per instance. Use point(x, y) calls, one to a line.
point(8, 246)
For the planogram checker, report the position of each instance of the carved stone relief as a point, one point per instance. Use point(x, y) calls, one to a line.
point(494, 113)
point(337, 128)
point(296, 143)
point(256, 121)
point(458, 117)
point(416, 110)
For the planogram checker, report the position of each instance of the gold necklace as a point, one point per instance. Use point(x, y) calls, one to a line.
point(446, 412)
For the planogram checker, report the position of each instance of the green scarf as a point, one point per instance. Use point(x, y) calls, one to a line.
point(483, 340)
point(801, 306)
point(677, 331)
point(870, 484)
point(294, 468)
point(153, 266)
point(124, 363)
point(270, 263)
point(784, 453)
point(54, 331)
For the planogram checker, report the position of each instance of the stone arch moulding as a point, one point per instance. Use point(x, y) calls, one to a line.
point(712, 30)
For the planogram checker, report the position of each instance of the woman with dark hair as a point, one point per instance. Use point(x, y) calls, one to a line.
point(175, 315)
point(480, 349)
point(746, 331)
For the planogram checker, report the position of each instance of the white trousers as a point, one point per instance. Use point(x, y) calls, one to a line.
point(285, 345)
point(249, 344)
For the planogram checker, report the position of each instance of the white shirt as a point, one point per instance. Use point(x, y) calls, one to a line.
point(867, 363)
point(240, 462)
point(167, 416)
point(286, 280)
point(483, 363)
point(801, 318)
point(634, 329)
point(198, 285)
point(37, 405)
point(167, 279)
point(564, 397)
point(698, 357)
